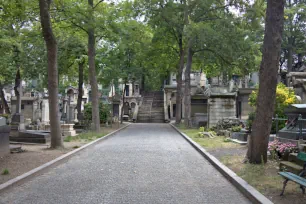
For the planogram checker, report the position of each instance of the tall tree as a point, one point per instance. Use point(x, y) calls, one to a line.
point(51, 44)
point(92, 67)
point(294, 35)
point(257, 150)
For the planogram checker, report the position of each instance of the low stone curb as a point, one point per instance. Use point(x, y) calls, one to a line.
point(40, 169)
point(249, 191)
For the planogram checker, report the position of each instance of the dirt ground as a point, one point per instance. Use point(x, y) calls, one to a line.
point(36, 155)
point(263, 178)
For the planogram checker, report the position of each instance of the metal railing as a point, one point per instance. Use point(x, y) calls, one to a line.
point(298, 121)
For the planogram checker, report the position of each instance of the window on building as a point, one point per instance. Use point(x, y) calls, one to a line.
point(22, 106)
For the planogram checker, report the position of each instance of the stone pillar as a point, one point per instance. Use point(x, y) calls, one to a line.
point(171, 109)
point(17, 118)
point(166, 107)
point(45, 111)
point(68, 114)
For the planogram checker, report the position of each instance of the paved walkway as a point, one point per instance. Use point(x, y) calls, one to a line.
point(145, 163)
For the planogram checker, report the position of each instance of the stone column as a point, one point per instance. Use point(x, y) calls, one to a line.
point(17, 118)
point(68, 110)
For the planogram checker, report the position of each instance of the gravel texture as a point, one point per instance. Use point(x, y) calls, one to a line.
point(145, 163)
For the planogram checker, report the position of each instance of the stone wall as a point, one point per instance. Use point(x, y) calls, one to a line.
point(221, 107)
point(244, 108)
point(26, 109)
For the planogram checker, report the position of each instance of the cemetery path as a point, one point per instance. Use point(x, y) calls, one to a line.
point(145, 163)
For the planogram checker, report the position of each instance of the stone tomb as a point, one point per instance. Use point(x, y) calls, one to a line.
point(67, 129)
point(292, 131)
point(4, 137)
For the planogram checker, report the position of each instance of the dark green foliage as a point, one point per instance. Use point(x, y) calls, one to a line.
point(104, 112)
point(250, 120)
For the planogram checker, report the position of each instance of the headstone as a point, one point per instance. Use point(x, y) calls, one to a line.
point(4, 137)
point(292, 130)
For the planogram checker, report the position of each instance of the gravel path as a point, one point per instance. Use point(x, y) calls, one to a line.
point(145, 163)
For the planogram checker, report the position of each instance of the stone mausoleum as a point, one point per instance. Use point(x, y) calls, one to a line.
point(212, 99)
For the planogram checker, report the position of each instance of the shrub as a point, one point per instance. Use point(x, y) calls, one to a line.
point(202, 129)
point(278, 148)
point(250, 120)
point(284, 97)
point(104, 112)
point(287, 148)
point(236, 129)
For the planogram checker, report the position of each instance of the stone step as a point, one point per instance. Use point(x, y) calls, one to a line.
point(293, 158)
point(157, 111)
point(150, 121)
point(290, 166)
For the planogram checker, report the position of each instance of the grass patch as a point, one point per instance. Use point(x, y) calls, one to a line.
point(263, 177)
point(68, 139)
point(85, 137)
point(75, 147)
point(206, 142)
point(5, 172)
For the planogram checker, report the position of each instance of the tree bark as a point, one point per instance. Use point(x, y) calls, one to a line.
point(17, 90)
point(92, 69)
point(4, 101)
point(56, 136)
point(80, 90)
point(187, 90)
point(179, 81)
point(257, 150)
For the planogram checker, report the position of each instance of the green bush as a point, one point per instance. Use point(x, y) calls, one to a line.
point(284, 98)
point(236, 129)
point(250, 120)
point(103, 109)
point(202, 129)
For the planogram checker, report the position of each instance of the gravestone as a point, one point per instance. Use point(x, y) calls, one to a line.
point(292, 131)
point(4, 137)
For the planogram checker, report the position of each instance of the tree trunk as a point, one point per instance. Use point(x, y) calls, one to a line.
point(257, 150)
point(123, 101)
point(56, 136)
point(187, 90)
point(290, 55)
point(80, 90)
point(179, 81)
point(4, 101)
point(92, 70)
point(17, 90)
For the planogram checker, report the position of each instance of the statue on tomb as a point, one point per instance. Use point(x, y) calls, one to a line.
point(205, 90)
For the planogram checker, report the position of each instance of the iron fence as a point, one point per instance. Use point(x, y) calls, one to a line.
point(299, 121)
